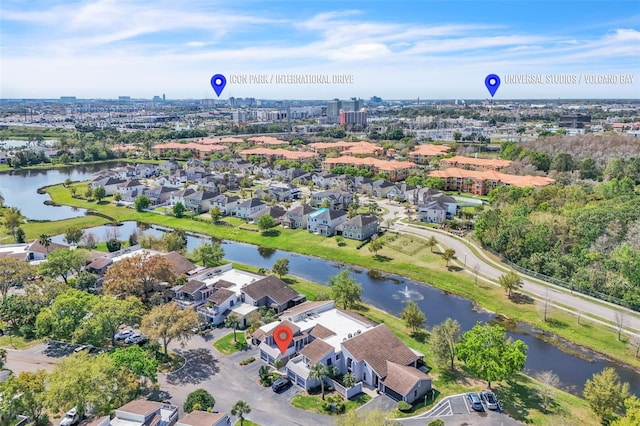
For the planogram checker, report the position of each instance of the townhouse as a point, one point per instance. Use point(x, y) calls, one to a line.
point(325, 221)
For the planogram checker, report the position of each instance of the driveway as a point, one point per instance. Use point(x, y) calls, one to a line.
point(228, 382)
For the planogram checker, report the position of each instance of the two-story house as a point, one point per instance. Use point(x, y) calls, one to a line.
point(130, 189)
point(336, 199)
point(283, 192)
point(326, 180)
point(199, 201)
point(296, 218)
point(360, 227)
point(246, 208)
point(325, 221)
point(109, 183)
point(272, 292)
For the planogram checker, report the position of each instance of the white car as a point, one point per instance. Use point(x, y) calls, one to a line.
point(123, 334)
point(72, 417)
point(489, 400)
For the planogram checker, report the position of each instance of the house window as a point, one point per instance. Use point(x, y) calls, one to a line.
point(329, 361)
point(349, 361)
point(337, 356)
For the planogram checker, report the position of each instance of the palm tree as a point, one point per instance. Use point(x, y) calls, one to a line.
point(432, 242)
point(319, 372)
point(232, 321)
point(239, 409)
point(45, 240)
point(510, 281)
point(348, 380)
point(264, 373)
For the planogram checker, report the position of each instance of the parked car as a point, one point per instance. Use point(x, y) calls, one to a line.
point(474, 401)
point(135, 339)
point(280, 384)
point(71, 418)
point(122, 335)
point(489, 400)
point(81, 348)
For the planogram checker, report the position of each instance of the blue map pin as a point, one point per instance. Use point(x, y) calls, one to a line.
point(218, 82)
point(492, 82)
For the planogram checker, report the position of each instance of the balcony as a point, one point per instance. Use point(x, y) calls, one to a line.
point(207, 310)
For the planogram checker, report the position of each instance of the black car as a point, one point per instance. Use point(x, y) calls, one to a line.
point(280, 384)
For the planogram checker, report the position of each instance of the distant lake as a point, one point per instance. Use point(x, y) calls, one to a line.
point(19, 189)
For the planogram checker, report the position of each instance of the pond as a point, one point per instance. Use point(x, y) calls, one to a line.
point(19, 188)
point(391, 293)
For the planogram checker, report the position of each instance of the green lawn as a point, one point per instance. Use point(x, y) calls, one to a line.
point(227, 345)
point(245, 423)
point(17, 342)
point(312, 402)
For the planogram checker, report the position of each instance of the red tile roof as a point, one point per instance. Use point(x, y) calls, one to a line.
point(520, 181)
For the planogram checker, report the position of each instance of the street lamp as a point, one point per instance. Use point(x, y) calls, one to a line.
point(465, 260)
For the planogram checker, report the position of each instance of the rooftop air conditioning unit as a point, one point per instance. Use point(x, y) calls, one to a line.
point(358, 332)
point(350, 335)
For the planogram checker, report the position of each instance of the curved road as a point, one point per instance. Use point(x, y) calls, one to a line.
point(492, 270)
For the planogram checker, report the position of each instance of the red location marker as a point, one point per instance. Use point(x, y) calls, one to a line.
point(283, 336)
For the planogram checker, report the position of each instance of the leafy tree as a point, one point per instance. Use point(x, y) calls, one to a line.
point(85, 280)
point(45, 241)
point(65, 315)
point(14, 272)
point(632, 413)
point(239, 409)
point(232, 321)
point(137, 360)
point(12, 219)
point(264, 375)
point(413, 317)
point(117, 197)
point(142, 203)
point(178, 209)
point(168, 322)
point(588, 168)
point(320, 372)
point(62, 262)
point(448, 255)
point(73, 235)
point(209, 254)
point(548, 382)
point(99, 193)
point(489, 355)
point(443, 340)
point(562, 162)
point(106, 316)
point(3, 357)
point(136, 275)
point(175, 241)
point(199, 399)
point(25, 394)
point(19, 312)
point(375, 246)
point(510, 281)
point(82, 380)
point(431, 243)
point(113, 245)
point(266, 222)
point(605, 393)
point(216, 214)
point(344, 289)
point(281, 267)
point(19, 236)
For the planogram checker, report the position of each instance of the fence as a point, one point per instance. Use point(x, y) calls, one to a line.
point(561, 283)
point(347, 392)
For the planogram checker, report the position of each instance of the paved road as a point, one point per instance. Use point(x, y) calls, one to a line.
point(466, 257)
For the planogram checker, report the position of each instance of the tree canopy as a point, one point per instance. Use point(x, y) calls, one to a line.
point(344, 289)
point(605, 393)
point(443, 340)
point(136, 275)
point(209, 254)
point(14, 272)
point(199, 399)
point(62, 262)
point(413, 316)
point(281, 267)
point(489, 354)
point(168, 322)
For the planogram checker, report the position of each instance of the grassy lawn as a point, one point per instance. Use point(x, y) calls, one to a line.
point(17, 342)
point(245, 423)
point(227, 345)
point(313, 402)
point(389, 259)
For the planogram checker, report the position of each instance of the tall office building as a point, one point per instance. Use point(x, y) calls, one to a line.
point(333, 110)
point(353, 104)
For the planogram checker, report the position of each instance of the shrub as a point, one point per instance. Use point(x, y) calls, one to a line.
point(436, 422)
point(404, 406)
point(248, 360)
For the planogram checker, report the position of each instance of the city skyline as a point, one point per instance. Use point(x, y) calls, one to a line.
point(400, 50)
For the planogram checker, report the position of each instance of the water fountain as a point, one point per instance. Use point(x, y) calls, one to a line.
point(408, 295)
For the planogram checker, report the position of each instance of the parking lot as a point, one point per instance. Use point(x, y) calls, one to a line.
point(455, 410)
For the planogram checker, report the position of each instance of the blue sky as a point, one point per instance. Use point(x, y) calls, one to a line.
point(393, 49)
